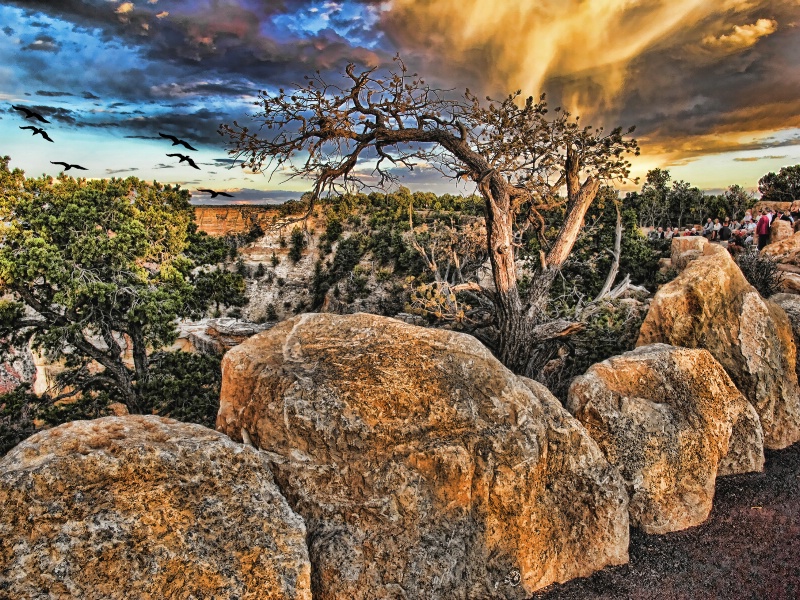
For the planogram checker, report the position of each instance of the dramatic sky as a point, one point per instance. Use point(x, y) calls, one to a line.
point(713, 86)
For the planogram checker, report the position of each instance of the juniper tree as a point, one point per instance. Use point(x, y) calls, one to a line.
point(519, 156)
point(88, 267)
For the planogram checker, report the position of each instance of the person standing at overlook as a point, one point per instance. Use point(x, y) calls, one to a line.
point(762, 228)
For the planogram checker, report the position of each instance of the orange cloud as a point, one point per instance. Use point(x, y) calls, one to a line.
point(742, 36)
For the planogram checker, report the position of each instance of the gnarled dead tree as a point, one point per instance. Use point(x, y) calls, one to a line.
point(367, 128)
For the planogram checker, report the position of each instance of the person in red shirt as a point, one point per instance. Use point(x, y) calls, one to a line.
point(762, 229)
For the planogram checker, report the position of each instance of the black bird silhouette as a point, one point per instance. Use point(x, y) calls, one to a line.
point(30, 114)
point(68, 166)
point(215, 194)
point(183, 157)
point(38, 130)
point(176, 141)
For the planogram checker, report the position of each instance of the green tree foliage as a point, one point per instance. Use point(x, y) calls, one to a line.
point(91, 266)
point(184, 386)
point(297, 243)
point(219, 288)
point(589, 264)
point(653, 205)
point(659, 205)
point(783, 186)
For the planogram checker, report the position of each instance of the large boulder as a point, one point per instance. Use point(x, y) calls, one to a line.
point(671, 420)
point(685, 249)
point(790, 303)
point(711, 305)
point(145, 507)
point(422, 466)
point(779, 231)
point(785, 251)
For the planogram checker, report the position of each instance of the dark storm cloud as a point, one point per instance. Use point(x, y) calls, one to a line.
point(43, 43)
point(234, 39)
point(693, 95)
point(90, 96)
point(53, 113)
point(693, 89)
point(199, 126)
point(8, 31)
point(53, 93)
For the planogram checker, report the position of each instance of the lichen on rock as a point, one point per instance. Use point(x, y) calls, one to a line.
point(671, 420)
point(423, 467)
point(711, 305)
point(145, 507)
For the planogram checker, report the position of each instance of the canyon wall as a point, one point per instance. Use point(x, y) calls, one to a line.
point(221, 220)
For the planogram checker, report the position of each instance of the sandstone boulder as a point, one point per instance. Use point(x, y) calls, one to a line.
point(779, 231)
point(145, 507)
point(671, 420)
point(790, 283)
point(790, 303)
point(685, 249)
point(711, 305)
point(423, 467)
point(786, 251)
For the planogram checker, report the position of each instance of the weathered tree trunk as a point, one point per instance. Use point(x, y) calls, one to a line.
point(517, 321)
point(139, 351)
point(614, 270)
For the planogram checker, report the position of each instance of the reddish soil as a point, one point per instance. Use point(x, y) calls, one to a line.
point(748, 548)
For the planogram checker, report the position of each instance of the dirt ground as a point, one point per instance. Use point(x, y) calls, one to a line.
point(748, 548)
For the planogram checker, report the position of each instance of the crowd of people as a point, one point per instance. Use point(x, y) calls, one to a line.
point(733, 232)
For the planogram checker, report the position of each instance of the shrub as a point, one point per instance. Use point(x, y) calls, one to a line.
point(271, 314)
point(761, 270)
point(298, 244)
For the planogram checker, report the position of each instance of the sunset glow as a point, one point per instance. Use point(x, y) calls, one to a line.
point(712, 86)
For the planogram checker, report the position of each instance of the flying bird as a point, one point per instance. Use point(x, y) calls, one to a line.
point(215, 194)
point(68, 166)
point(30, 114)
point(183, 157)
point(38, 130)
point(176, 141)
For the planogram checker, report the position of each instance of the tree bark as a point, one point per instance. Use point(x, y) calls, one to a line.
point(612, 273)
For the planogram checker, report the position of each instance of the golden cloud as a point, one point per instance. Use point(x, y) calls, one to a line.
point(520, 45)
point(742, 36)
point(675, 68)
point(124, 8)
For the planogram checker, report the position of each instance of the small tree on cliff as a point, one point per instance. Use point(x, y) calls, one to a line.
point(88, 267)
point(519, 158)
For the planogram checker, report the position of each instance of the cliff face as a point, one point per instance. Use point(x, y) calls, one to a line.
point(221, 220)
